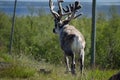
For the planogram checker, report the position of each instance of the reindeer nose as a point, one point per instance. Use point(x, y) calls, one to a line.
point(53, 30)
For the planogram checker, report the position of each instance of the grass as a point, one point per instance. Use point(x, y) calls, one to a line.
point(26, 68)
point(15, 67)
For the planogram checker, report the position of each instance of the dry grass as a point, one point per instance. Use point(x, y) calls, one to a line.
point(26, 68)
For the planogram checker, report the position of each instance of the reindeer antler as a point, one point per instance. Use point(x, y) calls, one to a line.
point(71, 10)
point(58, 14)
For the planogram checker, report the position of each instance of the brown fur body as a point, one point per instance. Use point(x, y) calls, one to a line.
point(68, 35)
point(72, 42)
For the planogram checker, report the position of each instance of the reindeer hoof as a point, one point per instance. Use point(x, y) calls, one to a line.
point(66, 72)
point(73, 72)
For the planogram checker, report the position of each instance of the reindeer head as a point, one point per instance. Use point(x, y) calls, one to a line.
point(60, 18)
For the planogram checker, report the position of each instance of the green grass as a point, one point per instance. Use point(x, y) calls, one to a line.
point(26, 68)
point(15, 67)
point(58, 74)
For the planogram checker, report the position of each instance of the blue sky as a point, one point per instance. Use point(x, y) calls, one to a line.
point(70, 0)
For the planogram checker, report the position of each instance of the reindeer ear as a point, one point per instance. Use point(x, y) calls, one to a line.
point(66, 22)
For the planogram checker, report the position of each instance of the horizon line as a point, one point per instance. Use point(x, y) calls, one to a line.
point(64, 0)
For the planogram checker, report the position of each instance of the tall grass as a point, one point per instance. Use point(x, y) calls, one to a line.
point(25, 67)
point(33, 36)
point(14, 66)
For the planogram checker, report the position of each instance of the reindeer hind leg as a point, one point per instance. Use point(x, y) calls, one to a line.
point(82, 60)
point(67, 64)
point(73, 65)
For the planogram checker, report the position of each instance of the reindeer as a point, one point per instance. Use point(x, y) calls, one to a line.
point(71, 40)
point(115, 76)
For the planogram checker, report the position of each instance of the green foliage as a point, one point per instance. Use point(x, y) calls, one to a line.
point(15, 67)
point(33, 36)
point(4, 31)
point(16, 71)
point(37, 39)
point(22, 67)
point(5, 58)
point(108, 47)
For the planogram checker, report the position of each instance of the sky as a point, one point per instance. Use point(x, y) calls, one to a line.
point(70, 0)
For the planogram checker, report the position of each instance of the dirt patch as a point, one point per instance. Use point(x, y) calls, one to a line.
point(45, 71)
point(4, 65)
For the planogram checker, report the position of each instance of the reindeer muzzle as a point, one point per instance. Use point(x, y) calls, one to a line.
point(54, 30)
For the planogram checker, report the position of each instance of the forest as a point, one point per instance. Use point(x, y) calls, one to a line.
point(35, 43)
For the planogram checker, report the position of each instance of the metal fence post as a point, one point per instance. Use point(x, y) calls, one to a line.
point(93, 34)
point(12, 28)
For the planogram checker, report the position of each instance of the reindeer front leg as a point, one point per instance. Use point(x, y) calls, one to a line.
point(73, 64)
point(67, 64)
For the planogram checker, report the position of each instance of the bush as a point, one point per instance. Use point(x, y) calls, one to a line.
point(15, 67)
point(33, 36)
point(16, 71)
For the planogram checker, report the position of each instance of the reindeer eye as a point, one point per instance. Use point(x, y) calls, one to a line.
point(54, 20)
point(60, 25)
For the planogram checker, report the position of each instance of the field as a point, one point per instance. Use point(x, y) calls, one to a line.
point(36, 53)
point(24, 68)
